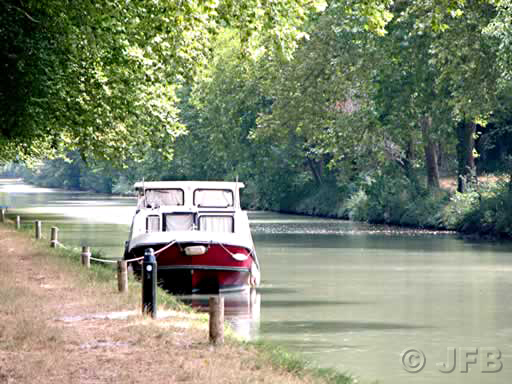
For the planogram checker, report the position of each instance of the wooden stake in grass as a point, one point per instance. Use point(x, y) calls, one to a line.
point(216, 320)
point(2, 215)
point(38, 230)
point(122, 275)
point(86, 256)
point(54, 237)
point(18, 223)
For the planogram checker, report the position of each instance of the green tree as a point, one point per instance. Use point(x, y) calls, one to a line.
point(467, 62)
point(102, 76)
point(321, 100)
point(411, 109)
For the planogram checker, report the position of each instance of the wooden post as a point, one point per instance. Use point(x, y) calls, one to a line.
point(2, 215)
point(18, 223)
point(86, 256)
point(54, 237)
point(38, 229)
point(122, 275)
point(216, 320)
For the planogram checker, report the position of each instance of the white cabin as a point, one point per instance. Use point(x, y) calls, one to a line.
point(190, 209)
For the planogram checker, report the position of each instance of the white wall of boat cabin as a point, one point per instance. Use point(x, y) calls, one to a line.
point(241, 220)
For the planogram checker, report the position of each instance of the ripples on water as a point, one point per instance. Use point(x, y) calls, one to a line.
point(337, 227)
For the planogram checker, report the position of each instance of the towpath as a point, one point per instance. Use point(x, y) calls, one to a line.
point(62, 324)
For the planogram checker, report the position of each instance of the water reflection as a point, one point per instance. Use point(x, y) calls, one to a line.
point(269, 289)
point(273, 224)
point(241, 310)
point(269, 303)
point(320, 326)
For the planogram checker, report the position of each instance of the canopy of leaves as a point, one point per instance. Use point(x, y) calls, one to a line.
point(101, 76)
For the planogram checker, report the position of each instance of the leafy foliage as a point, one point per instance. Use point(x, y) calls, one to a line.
point(101, 76)
point(334, 108)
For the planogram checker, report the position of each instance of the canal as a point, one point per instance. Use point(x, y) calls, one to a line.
point(345, 295)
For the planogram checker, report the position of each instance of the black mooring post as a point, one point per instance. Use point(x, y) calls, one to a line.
point(149, 283)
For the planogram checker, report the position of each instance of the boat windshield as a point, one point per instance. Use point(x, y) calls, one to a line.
point(220, 223)
point(159, 197)
point(213, 198)
point(179, 222)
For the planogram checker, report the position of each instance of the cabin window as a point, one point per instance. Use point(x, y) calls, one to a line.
point(179, 222)
point(213, 198)
point(153, 223)
point(211, 223)
point(159, 197)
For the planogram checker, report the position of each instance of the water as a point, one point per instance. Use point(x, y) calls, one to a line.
point(349, 296)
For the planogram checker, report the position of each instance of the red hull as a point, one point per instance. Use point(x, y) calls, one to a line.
point(212, 271)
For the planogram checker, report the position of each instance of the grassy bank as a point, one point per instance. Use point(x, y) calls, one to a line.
point(55, 328)
point(484, 210)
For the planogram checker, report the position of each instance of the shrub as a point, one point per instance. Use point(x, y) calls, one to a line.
point(425, 210)
point(356, 206)
point(490, 213)
point(388, 195)
point(325, 201)
point(458, 208)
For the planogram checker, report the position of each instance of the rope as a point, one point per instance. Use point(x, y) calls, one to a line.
point(96, 259)
point(103, 260)
point(164, 248)
point(231, 254)
point(156, 253)
point(136, 259)
point(227, 250)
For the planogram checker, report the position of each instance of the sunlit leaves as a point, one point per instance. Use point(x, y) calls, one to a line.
point(321, 99)
point(106, 71)
point(501, 28)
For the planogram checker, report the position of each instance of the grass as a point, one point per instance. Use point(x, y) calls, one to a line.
point(40, 285)
point(295, 364)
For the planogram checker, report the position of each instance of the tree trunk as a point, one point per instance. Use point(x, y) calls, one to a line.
point(440, 156)
point(466, 162)
point(510, 181)
point(313, 166)
point(407, 161)
point(430, 149)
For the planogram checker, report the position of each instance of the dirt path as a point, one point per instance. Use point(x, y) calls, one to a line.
point(52, 331)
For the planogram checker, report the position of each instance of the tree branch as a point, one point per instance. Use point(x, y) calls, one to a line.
point(21, 10)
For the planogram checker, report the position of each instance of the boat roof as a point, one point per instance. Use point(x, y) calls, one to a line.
point(231, 185)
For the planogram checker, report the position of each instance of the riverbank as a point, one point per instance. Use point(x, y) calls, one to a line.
point(484, 210)
point(60, 323)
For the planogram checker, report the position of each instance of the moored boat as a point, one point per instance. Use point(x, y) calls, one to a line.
point(200, 235)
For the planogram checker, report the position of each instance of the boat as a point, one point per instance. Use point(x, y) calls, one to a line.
point(199, 234)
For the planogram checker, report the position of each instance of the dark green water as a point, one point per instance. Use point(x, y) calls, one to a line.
point(349, 296)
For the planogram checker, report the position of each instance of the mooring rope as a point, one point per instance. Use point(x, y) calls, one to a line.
point(103, 260)
point(155, 253)
point(164, 248)
point(251, 252)
point(91, 258)
point(136, 259)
